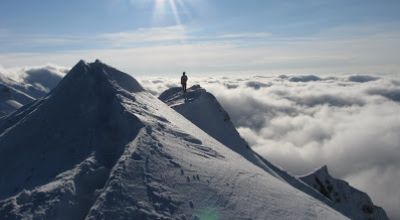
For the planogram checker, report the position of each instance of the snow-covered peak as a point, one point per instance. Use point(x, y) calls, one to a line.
point(175, 95)
point(348, 200)
point(96, 74)
point(203, 109)
point(99, 147)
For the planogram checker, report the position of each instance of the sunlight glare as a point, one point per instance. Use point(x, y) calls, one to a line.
point(163, 6)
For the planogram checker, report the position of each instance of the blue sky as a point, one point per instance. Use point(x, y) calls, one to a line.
point(204, 36)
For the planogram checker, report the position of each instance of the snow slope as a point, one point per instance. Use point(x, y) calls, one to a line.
point(100, 147)
point(203, 109)
point(348, 200)
point(12, 99)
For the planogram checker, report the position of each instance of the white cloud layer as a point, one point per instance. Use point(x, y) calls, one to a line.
point(174, 47)
point(35, 81)
point(351, 123)
point(21, 74)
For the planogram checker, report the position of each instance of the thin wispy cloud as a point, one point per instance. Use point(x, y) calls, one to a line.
point(176, 47)
point(142, 36)
point(245, 35)
point(138, 38)
point(164, 47)
point(126, 39)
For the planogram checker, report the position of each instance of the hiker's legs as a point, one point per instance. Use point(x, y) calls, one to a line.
point(184, 87)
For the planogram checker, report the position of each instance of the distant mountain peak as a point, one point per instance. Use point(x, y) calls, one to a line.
point(347, 199)
point(27, 85)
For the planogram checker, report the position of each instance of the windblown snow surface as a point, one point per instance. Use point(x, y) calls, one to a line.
point(100, 147)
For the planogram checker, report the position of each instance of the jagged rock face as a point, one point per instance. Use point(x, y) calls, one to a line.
point(99, 147)
point(348, 200)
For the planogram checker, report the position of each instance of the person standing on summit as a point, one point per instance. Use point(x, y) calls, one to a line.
point(184, 79)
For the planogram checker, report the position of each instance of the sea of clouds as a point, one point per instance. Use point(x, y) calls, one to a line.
point(301, 122)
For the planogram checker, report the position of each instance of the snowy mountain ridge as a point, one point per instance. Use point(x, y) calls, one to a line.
point(203, 109)
point(100, 147)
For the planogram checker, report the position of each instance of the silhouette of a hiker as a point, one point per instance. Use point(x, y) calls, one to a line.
point(184, 79)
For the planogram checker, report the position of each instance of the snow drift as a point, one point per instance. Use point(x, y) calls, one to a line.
point(100, 147)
